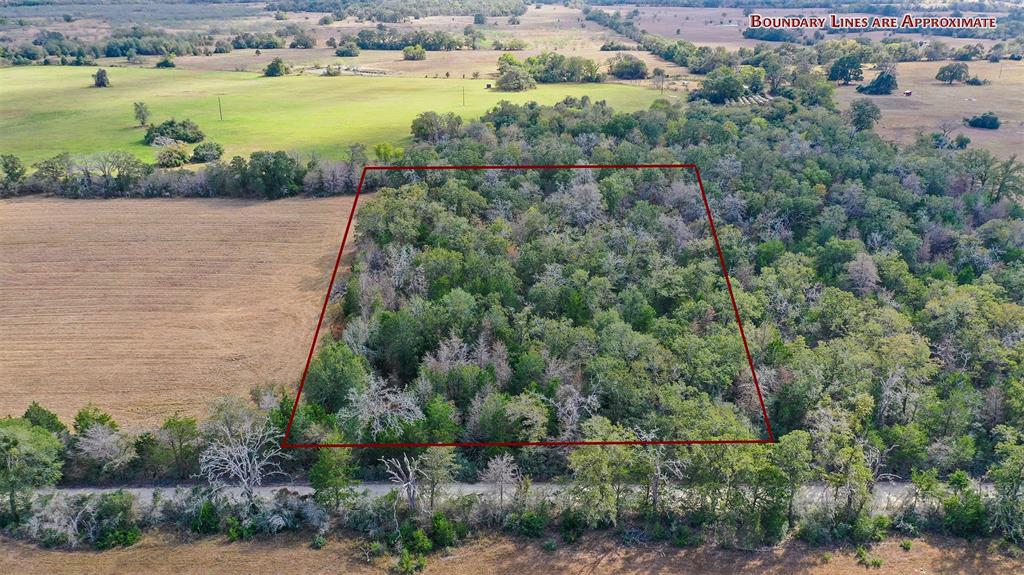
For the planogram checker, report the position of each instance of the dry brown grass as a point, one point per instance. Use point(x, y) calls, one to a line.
point(550, 28)
point(164, 554)
point(147, 307)
point(934, 103)
point(160, 554)
point(603, 556)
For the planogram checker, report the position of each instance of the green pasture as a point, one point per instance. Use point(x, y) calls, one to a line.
point(48, 110)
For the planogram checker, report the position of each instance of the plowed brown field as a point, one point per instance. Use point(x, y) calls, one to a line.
point(146, 307)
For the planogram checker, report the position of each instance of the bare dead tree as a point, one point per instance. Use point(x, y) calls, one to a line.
point(579, 206)
point(503, 472)
point(862, 274)
point(358, 333)
point(492, 351)
point(105, 445)
point(556, 368)
point(380, 407)
point(570, 409)
point(876, 462)
point(895, 392)
point(450, 354)
point(241, 453)
point(406, 474)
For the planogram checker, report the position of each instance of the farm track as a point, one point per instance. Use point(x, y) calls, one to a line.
point(147, 307)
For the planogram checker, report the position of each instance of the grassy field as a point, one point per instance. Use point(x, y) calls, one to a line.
point(135, 305)
point(934, 103)
point(163, 554)
point(48, 110)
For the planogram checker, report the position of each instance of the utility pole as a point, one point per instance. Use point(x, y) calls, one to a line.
point(220, 109)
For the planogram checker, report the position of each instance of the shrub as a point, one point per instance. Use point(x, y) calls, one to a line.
point(867, 559)
point(955, 72)
point(416, 52)
point(206, 520)
point(119, 538)
point(173, 156)
point(373, 549)
point(966, 514)
point(185, 131)
point(273, 175)
point(141, 112)
point(347, 49)
point(987, 121)
point(237, 530)
point(549, 545)
point(420, 542)
point(906, 544)
point(529, 523)
point(100, 79)
point(41, 417)
point(572, 524)
point(614, 46)
point(884, 83)
point(627, 67)
point(513, 45)
point(846, 69)
point(318, 541)
point(407, 563)
point(275, 68)
point(442, 531)
point(207, 152)
point(515, 80)
point(116, 520)
point(416, 540)
point(685, 534)
point(303, 41)
point(91, 415)
point(12, 173)
point(721, 84)
point(166, 62)
point(819, 527)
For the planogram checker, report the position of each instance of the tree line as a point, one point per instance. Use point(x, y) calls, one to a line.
point(394, 11)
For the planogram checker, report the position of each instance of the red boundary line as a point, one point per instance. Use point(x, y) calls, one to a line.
point(721, 261)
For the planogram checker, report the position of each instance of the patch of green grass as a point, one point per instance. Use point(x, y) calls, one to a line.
point(48, 110)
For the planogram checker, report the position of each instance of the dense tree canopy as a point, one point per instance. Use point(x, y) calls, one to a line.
point(881, 289)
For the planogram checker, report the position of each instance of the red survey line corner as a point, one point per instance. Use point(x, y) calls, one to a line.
point(721, 260)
